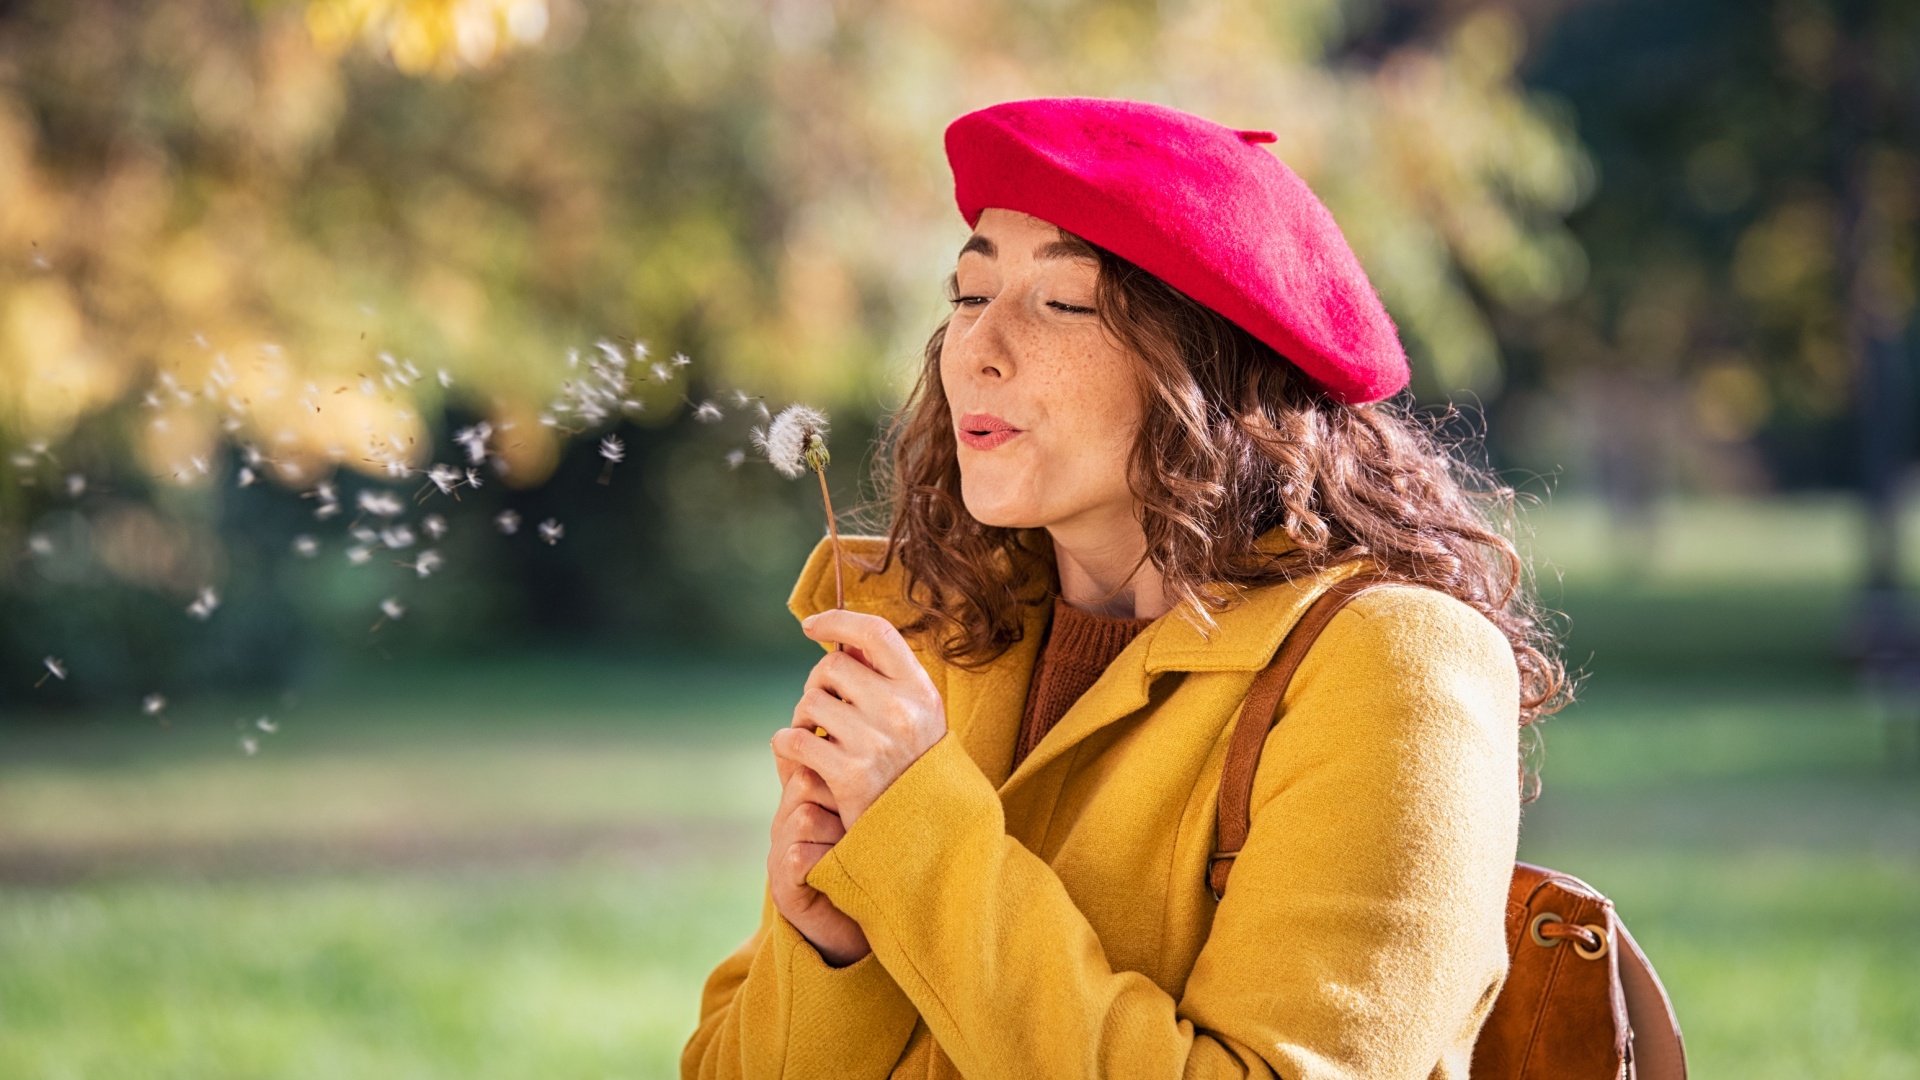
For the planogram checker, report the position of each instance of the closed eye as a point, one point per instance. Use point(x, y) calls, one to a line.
point(1072, 309)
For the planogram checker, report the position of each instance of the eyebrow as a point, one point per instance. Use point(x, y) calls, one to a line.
point(1057, 249)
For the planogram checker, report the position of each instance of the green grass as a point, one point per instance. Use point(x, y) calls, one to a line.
point(586, 970)
point(526, 868)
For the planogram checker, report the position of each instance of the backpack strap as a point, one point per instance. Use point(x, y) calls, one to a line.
point(1234, 818)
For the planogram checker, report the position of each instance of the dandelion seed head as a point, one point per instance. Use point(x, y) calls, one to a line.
point(791, 436)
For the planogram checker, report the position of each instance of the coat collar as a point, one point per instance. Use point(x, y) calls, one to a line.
point(986, 706)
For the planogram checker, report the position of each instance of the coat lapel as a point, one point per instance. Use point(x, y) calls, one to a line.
point(1245, 638)
point(985, 707)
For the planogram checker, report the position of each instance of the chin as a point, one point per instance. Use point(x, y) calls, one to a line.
point(997, 513)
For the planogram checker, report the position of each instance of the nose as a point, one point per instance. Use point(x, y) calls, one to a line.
point(987, 347)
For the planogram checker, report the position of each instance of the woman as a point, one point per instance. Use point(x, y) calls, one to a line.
point(1144, 440)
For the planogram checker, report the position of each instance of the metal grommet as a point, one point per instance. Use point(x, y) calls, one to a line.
point(1599, 932)
point(1541, 920)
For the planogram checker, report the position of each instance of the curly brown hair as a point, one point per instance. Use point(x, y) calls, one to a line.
point(1233, 442)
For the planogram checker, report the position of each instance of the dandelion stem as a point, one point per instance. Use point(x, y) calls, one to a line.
point(833, 530)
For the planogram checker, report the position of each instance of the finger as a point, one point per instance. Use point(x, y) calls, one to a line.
point(846, 678)
point(810, 824)
point(817, 708)
point(810, 750)
point(881, 644)
point(813, 789)
point(801, 858)
point(805, 786)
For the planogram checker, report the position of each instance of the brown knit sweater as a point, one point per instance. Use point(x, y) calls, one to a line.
point(1078, 647)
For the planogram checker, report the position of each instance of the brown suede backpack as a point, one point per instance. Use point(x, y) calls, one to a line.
point(1580, 1001)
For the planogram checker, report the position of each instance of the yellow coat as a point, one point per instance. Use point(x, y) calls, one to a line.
point(1056, 922)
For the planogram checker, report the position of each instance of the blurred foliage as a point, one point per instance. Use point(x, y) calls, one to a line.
point(1754, 237)
point(249, 249)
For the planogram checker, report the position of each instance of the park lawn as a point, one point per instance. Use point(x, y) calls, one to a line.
point(526, 868)
point(1758, 846)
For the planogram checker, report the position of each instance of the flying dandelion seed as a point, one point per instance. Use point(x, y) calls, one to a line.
point(615, 452)
point(681, 360)
point(55, 670)
point(245, 477)
point(397, 537)
point(359, 554)
point(507, 522)
point(249, 745)
point(203, 604)
point(640, 351)
point(381, 503)
point(795, 441)
point(152, 704)
point(392, 608)
point(473, 439)
point(366, 534)
point(428, 562)
point(435, 525)
point(551, 531)
point(445, 376)
point(444, 477)
point(76, 485)
point(735, 458)
point(266, 725)
point(39, 544)
point(305, 546)
point(473, 475)
point(707, 412)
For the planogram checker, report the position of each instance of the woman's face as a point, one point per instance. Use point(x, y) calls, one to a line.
point(1025, 349)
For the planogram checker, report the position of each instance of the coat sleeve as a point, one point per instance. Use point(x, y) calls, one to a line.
point(1362, 934)
point(774, 1008)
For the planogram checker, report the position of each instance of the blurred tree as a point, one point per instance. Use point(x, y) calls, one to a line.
point(259, 243)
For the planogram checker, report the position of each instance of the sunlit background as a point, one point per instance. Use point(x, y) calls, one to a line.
point(392, 603)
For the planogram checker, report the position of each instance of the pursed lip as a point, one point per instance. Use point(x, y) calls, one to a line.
point(984, 431)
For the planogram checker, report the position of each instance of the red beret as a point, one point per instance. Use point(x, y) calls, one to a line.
point(1200, 207)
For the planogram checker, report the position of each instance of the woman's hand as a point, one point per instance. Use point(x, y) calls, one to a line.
point(804, 827)
point(877, 704)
